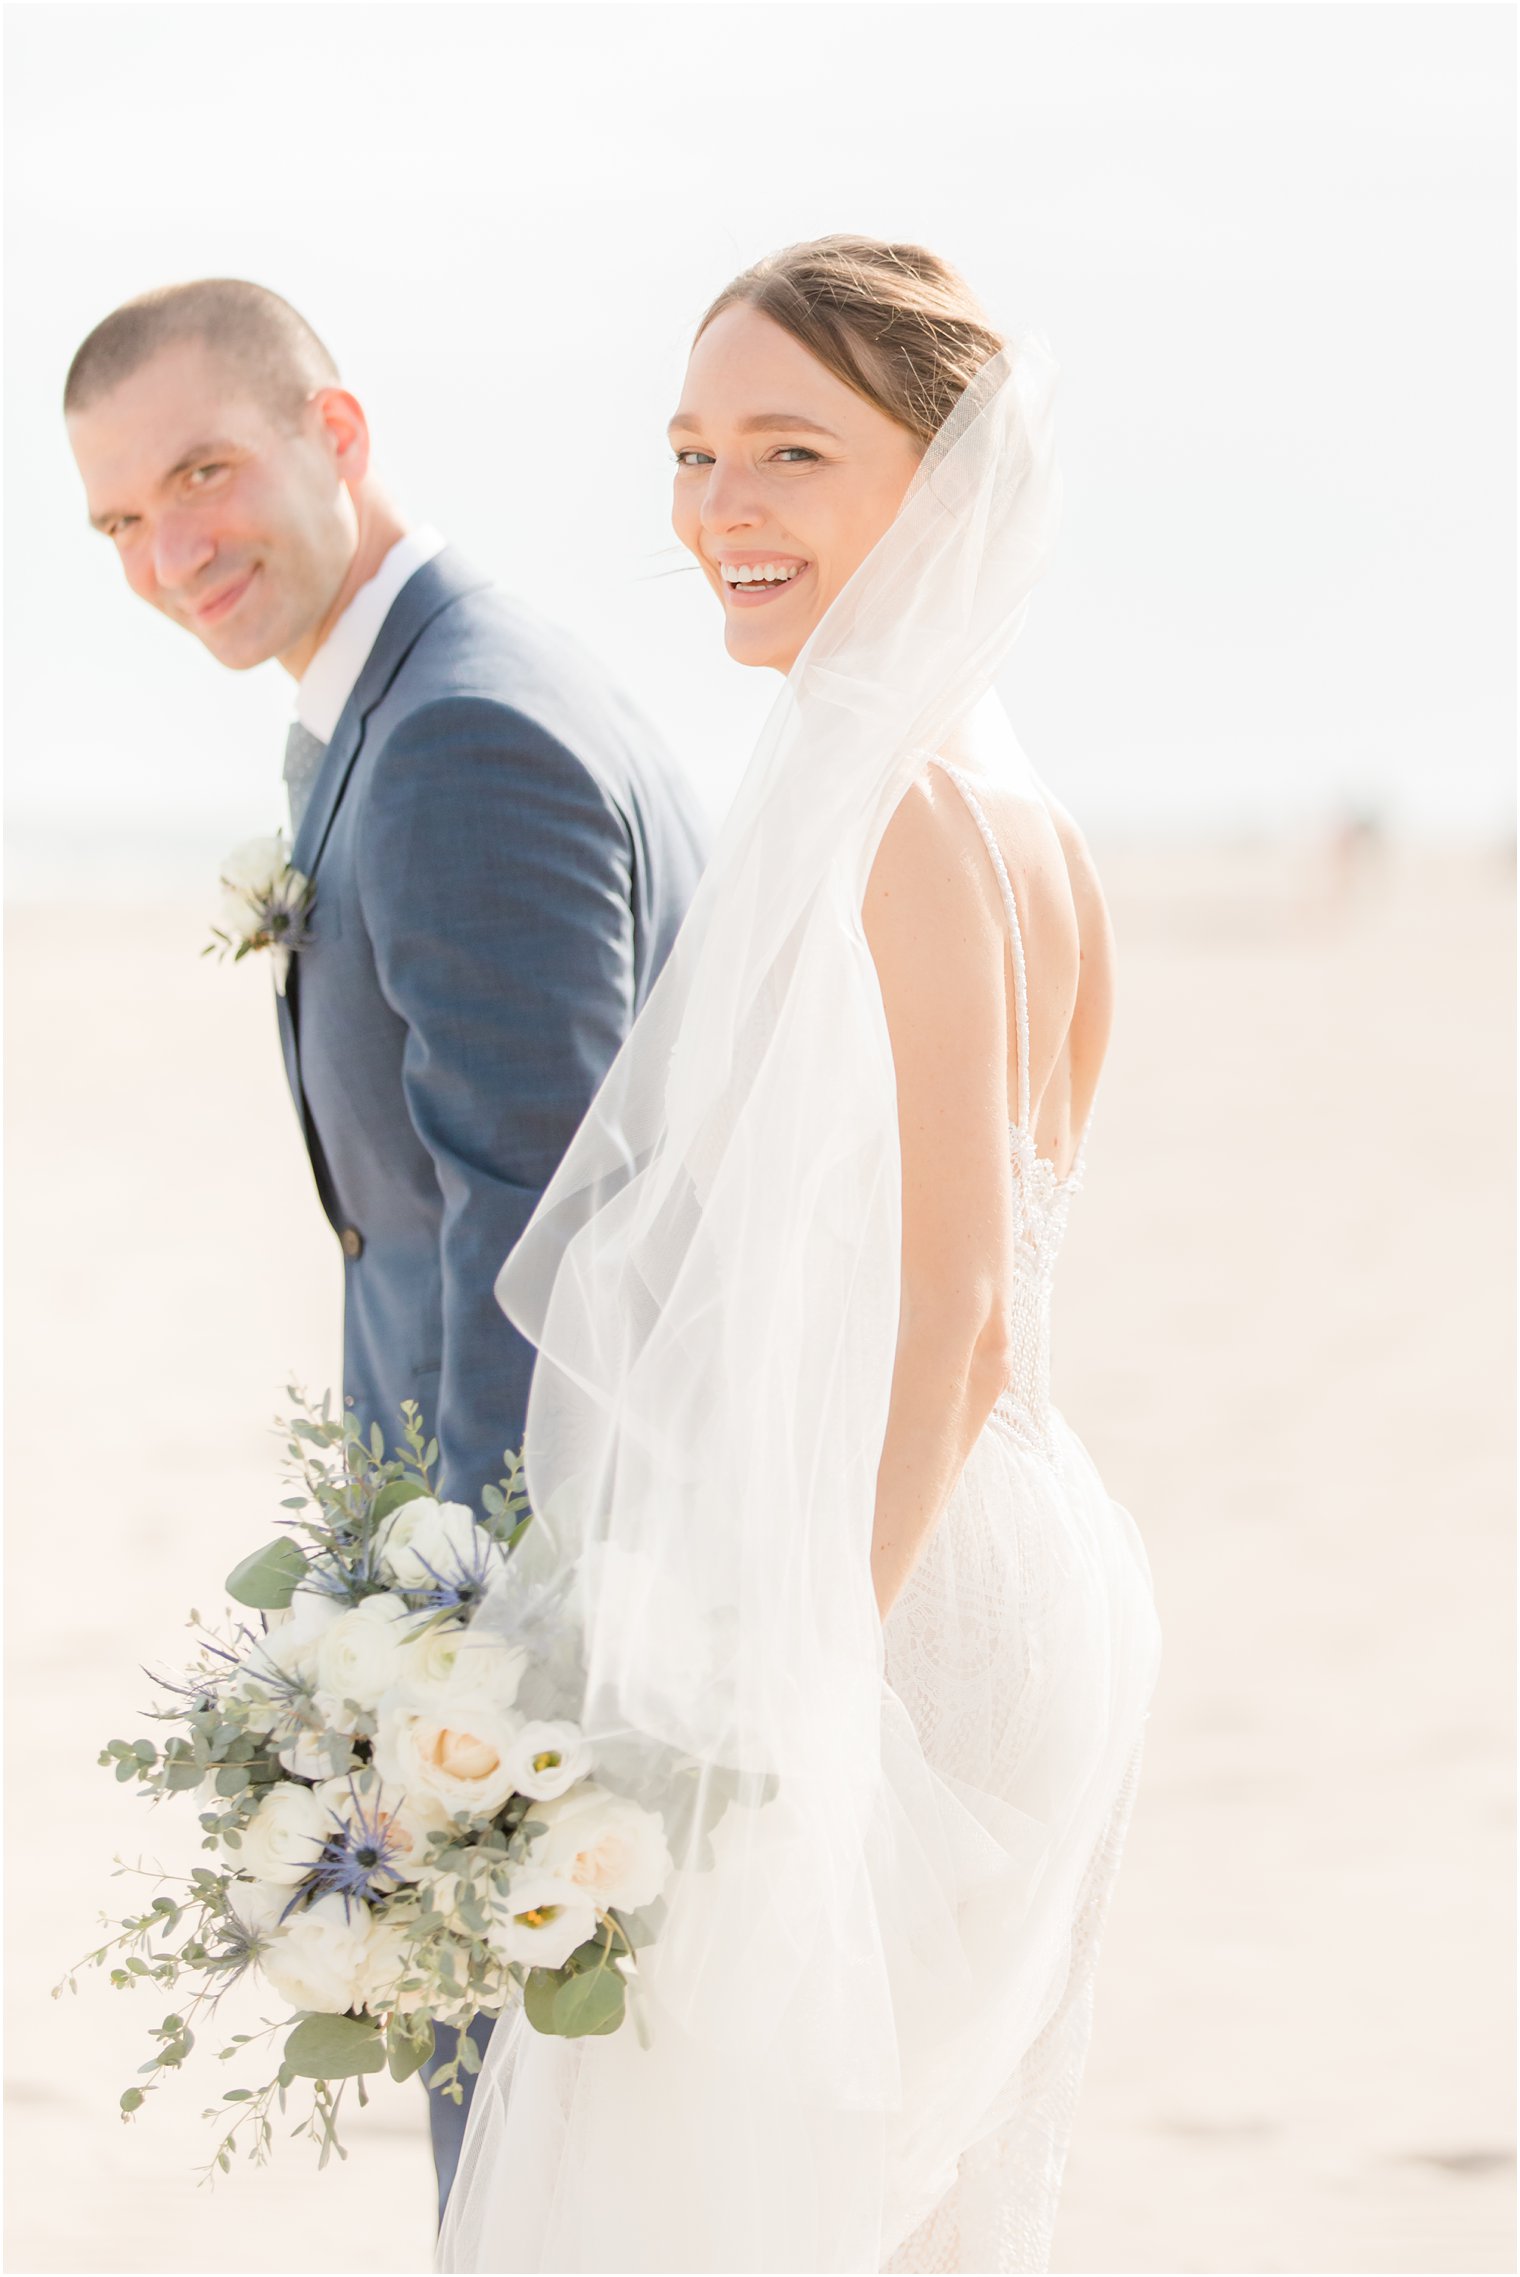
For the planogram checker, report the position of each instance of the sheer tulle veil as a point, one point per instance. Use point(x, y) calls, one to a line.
point(712, 1283)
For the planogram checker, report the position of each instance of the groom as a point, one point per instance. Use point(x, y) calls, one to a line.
point(500, 848)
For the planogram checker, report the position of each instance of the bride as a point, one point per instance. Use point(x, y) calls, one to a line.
point(822, 1537)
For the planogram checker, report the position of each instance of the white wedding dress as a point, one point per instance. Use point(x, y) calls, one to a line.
point(866, 2010)
point(1031, 1578)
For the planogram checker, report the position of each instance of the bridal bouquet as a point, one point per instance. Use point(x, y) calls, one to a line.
point(402, 1836)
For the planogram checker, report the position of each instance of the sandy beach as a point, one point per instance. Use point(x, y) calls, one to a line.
point(1284, 1330)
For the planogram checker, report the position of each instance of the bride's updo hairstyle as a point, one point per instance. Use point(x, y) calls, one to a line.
point(894, 322)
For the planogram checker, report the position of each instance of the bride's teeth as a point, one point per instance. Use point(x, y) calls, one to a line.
point(761, 572)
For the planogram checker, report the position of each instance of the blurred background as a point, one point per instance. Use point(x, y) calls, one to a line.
point(1273, 674)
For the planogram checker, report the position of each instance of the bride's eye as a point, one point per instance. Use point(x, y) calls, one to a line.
point(795, 451)
point(693, 458)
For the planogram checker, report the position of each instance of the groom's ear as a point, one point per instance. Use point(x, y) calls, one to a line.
point(344, 430)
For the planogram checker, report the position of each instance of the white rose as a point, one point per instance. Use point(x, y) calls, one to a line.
point(315, 1755)
point(316, 1960)
point(542, 1921)
point(456, 1751)
point(612, 1849)
point(398, 1823)
point(282, 1839)
point(250, 874)
point(359, 1655)
point(273, 1669)
point(257, 1906)
point(448, 1662)
point(397, 1530)
point(431, 1545)
point(388, 1951)
point(547, 1759)
point(307, 1614)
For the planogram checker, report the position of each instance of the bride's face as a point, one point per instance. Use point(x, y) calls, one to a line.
point(782, 472)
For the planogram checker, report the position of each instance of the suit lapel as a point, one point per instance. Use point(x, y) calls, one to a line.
point(439, 582)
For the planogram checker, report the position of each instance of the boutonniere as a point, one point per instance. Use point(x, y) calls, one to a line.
point(264, 905)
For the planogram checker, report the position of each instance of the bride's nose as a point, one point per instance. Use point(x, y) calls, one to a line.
point(730, 499)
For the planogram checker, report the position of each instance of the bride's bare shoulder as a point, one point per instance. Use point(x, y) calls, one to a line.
point(930, 864)
point(927, 915)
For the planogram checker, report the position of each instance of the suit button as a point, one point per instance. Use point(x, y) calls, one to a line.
point(351, 1241)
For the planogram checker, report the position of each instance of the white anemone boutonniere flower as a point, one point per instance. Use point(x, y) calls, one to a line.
point(265, 905)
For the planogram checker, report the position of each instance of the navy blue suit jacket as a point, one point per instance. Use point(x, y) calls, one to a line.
point(502, 853)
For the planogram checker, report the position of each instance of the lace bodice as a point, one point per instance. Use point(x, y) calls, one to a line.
point(1042, 1199)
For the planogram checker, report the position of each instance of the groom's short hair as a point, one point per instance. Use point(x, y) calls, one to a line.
point(262, 338)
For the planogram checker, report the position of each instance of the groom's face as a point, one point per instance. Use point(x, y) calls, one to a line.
point(230, 515)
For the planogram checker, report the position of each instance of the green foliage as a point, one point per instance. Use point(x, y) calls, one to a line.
point(270, 1577)
point(392, 1497)
point(590, 2004)
point(539, 1995)
point(408, 2044)
point(335, 2047)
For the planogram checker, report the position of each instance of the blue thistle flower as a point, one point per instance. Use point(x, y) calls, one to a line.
point(358, 1862)
point(467, 1583)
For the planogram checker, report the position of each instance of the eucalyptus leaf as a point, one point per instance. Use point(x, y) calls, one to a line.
point(334, 2047)
point(590, 2004)
point(270, 1578)
point(392, 1497)
point(539, 1995)
point(408, 2046)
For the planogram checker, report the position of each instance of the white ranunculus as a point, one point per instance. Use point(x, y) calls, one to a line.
point(456, 1751)
point(393, 1550)
point(314, 1755)
point(307, 1614)
point(359, 1654)
point(275, 1665)
point(547, 1759)
point(387, 1949)
point(257, 1906)
point(611, 1848)
point(427, 1544)
point(284, 1836)
point(362, 1803)
point(316, 1961)
point(542, 1921)
point(446, 1662)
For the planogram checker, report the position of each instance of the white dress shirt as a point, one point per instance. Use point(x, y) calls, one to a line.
point(329, 679)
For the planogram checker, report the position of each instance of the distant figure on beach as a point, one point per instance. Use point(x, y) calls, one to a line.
point(500, 849)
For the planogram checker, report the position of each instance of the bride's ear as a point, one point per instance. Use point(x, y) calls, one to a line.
point(341, 420)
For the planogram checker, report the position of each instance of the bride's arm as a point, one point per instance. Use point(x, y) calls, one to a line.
point(940, 957)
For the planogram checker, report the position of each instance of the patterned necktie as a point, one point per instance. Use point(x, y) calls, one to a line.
point(304, 753)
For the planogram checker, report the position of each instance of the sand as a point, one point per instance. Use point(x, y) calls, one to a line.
point(1284, 1330)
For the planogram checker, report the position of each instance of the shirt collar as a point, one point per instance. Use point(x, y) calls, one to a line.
point(329, 679)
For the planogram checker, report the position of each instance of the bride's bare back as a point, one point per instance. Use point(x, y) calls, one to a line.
point(1068, 948)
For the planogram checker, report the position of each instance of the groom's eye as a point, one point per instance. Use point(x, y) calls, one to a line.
point(200, 475)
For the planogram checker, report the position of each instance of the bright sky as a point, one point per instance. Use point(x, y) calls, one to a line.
point(1272, 247)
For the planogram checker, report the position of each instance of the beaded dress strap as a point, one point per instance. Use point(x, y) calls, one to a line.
point(1015, 935)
